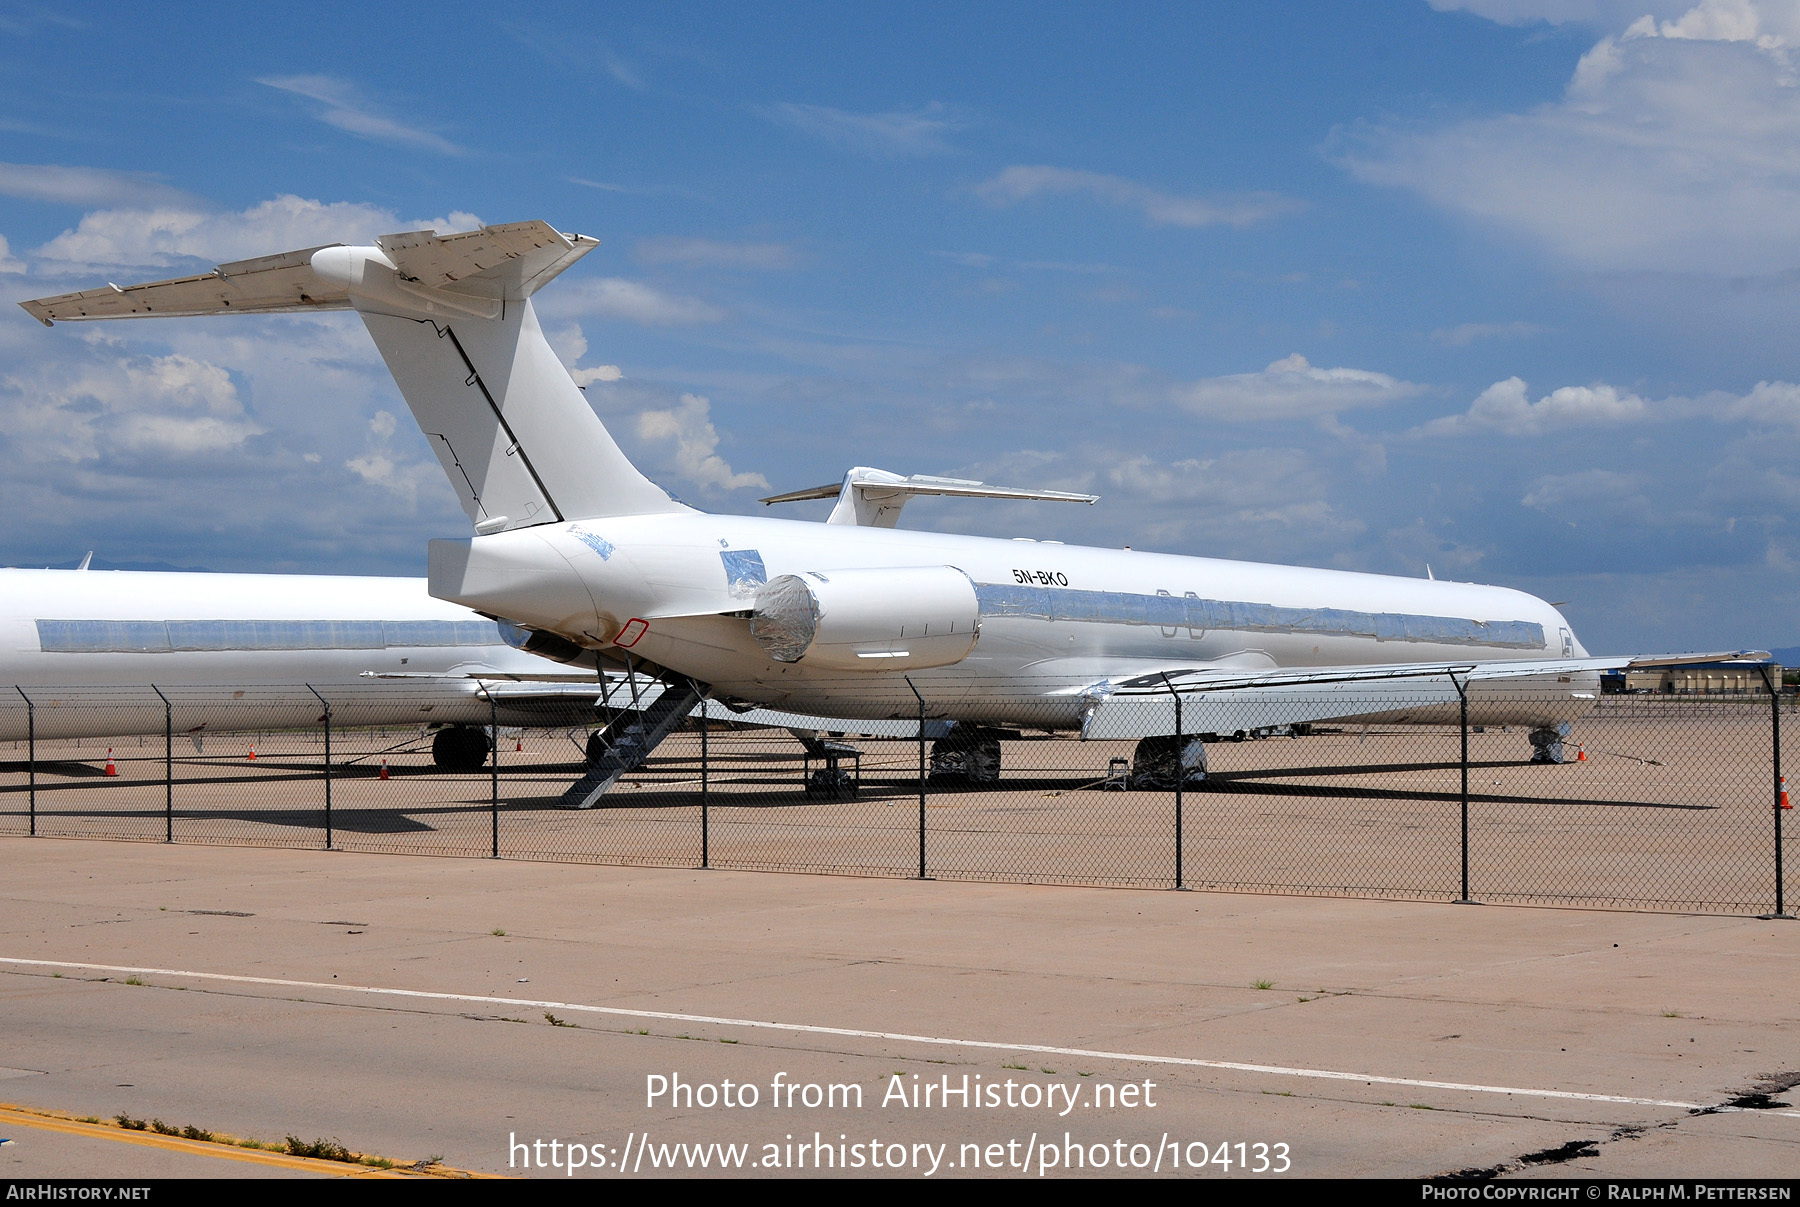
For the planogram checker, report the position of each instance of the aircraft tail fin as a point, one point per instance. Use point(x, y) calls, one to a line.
point(453, 319)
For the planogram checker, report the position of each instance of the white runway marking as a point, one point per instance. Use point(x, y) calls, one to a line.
point(894, 1036)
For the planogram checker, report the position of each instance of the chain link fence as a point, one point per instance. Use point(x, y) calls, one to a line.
point(1660, 802)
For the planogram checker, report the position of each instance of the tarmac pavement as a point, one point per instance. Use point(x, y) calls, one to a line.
point(464, 1010)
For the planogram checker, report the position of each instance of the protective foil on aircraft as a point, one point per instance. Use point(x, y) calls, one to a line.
point(157, 636)
point(1203, 615)
point(868, 620)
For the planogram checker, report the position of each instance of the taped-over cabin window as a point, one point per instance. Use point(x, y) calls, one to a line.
point(1169, 612)
point(166, 636)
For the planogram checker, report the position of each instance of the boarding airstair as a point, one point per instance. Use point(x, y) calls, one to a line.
point(630, 739)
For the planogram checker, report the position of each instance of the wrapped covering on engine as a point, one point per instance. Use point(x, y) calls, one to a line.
point(868, 620)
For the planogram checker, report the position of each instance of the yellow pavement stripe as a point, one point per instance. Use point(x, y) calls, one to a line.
point(58, 1122)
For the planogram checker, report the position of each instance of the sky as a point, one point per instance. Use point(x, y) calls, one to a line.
point(1509, 289)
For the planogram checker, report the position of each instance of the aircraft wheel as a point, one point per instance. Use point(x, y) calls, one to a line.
point(1158, 761)
point(460, 748)
point(972, 758)
point(830, 783)
point(596, 747)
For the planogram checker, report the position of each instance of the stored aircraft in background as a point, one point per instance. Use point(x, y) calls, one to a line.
point(853, 617)
point(90, 650)
point(96, 653)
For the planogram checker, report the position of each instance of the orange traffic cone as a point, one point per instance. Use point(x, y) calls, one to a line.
point(1580, 754)
point(518, 744)
point(1785, 802)
point(384, 773)
point(252, 756)
point(112, 769)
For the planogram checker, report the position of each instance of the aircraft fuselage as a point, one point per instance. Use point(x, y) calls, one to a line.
point(1052, 619)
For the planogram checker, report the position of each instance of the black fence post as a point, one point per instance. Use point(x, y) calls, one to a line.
point(705, 820)
point(168, 766)
point(327, 720)
point(921, 700)
point(1775, 742)
point(30, 753)
point(1462, 696)
point(1180, 778)
point(493, 773)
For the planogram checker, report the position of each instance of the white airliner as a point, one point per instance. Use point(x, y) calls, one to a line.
point(90, 650)
point(855, 618)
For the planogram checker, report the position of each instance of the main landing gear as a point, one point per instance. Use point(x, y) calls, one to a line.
point(1161, 762)
point(971, 755)
point(1547, 743)
point(460, 748)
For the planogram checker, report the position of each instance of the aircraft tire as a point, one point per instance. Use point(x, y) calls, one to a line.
point(1158, 762)
point(460, 748)
point(972, 758)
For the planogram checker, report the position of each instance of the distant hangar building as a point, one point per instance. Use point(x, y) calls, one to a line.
point(1693, 679)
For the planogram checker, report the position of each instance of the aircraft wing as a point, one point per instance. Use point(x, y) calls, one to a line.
point(1226, 700)
point(575, 699)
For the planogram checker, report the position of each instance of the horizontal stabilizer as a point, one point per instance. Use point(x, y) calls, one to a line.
point(511, 261)
point(266, 285)
point(873, 498)
point(453, 319)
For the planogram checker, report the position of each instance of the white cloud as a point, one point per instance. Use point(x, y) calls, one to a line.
point(1290, 388)
point(1505, 408)
point(1256, 495)
point(1591, 493)
point(633, 301)
point(1772, 26)
point(1467, 333)
point(968, 259)
point(85, 186)
point(401, 479)
point(1606, 14)
point(883, 135)
point(571, 345)
point(690, 426)
point(1675, 147)
point(8, 262)
point(1021, 182)
point(130, 407)
point(345, 109)
point(709, 253)
point(164, 236)
point(1770, 402)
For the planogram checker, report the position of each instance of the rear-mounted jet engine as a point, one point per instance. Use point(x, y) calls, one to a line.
point(868, 620)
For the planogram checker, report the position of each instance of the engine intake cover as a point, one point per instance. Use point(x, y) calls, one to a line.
point(868, 620)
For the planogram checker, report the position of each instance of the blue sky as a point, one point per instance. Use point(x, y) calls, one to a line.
point(1506, 287)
